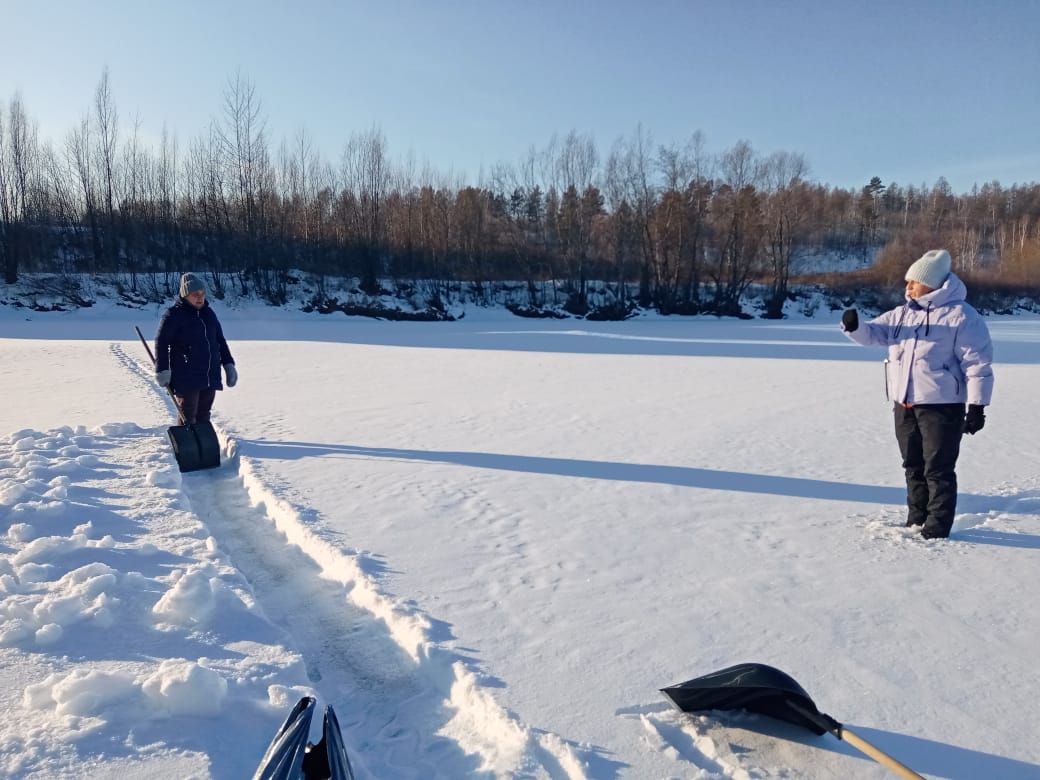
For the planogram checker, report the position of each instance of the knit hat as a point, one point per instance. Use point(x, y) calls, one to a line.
point(190, 283)
point(931, 269)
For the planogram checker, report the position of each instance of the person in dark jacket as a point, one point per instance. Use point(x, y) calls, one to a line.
point(939, 358)
point(190, 350)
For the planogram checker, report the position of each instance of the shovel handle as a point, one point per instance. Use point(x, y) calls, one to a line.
point(829, 724)
point(145, 342)
point(882, 758)
point(180, 414)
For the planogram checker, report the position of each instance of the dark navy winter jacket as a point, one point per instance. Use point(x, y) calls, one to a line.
point(191, 344)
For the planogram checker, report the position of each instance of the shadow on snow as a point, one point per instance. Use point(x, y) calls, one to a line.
point(679, 476)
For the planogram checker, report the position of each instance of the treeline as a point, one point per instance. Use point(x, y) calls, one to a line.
point(670, 227)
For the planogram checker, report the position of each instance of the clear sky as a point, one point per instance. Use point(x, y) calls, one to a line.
point(908, 91)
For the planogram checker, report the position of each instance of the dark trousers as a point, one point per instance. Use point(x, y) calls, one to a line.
point(929, 439)
point(196, 405)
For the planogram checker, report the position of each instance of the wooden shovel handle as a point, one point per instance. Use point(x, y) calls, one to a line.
point(829, 724)
point(882, 758)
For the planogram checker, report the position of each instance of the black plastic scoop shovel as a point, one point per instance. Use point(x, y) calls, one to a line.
point(768, 691)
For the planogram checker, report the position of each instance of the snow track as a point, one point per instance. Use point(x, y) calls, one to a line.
point(407, 706)
point(707, 750)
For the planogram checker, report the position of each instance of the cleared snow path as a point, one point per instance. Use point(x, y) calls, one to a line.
point(407, 707)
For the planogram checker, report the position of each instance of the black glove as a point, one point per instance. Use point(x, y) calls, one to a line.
point(850, 319)
point(974, 419)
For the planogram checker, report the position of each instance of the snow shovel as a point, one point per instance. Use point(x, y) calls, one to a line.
point(284, 757)
point(328, 759)
point(291, 757)
point(768, 691)
point(195, 446)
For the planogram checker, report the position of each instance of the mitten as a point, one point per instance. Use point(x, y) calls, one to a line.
point(974, 419)
point(231, 373)
point(850, 320)
point(163, 377)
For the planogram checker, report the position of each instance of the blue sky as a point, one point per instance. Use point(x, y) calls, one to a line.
point(908, 91)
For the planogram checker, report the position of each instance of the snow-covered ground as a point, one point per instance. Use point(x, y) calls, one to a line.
point(488, 543)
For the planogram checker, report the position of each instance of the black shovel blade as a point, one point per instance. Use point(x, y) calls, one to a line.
point(284, 757)
point(328, 759)
point(755, 688)
point(195, 447)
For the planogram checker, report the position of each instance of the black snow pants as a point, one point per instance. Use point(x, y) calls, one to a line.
point(929, 437)
point(196, 405)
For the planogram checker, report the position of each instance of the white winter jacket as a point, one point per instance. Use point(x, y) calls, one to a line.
point(939, 349)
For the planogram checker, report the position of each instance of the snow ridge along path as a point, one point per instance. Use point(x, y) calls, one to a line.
point(417, 709)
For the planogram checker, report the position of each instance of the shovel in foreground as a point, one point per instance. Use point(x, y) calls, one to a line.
point(290, 756)
point(768, 691)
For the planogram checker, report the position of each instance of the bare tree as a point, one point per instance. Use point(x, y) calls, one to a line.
point(167, 189)
point(629, 182)
point(107, 122)
point(940, 203)
point(10, 262)
point(135, 200)
point(471, 223)
point(79, 157)
point(206, 216)
point(681, 165)
point(65, 209)
point(785, 215)
point(576, 163)
point(21, 162)
point(367, 176)
point(679, 224)
point(243, 141)
point(737, 232)
point(296, 184)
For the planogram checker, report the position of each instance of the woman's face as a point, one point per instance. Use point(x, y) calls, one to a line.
point(916, 289)
point(197, 298)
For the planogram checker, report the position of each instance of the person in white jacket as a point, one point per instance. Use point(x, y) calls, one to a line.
point(940, 358)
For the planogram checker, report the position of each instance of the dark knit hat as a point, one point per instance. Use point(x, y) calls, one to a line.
point(190, 283)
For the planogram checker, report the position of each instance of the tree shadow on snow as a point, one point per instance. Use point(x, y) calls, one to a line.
point(680, 476)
